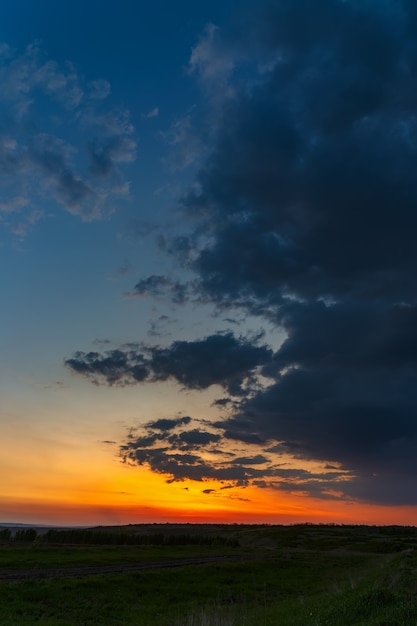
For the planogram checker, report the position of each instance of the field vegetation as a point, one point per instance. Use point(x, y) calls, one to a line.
point(211, 575)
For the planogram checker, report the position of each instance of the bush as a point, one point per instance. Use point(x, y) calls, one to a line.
point(5, 535)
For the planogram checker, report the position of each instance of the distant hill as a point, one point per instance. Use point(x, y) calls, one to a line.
point(40, 528)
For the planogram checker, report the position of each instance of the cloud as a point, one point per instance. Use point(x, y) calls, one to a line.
point(61, 144)
point(306, 214)
point(292, 189)
point(104, 155)
point(302, 212)
point(254, 460)
point(13, 205)
point(158, 286)
point(159, 326)
point(213, 60)
point(186, 137)
point(220, 359)
point(99, 89)
point(152, 113)
point(169, 452)
point(114, 367)
point(184, 451)
point(169, 424)
point(198, 437)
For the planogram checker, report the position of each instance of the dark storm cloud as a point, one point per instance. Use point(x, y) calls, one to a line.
point(169, 424)
point(198, 437)
point(260, 459)
point(312, 172)
point(307, 214)
point(356, 336)
point(241, 432)
point(114, 367)
point(220, 359)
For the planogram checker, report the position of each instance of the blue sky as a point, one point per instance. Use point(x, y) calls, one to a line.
point(62, 261)
point(207, 217)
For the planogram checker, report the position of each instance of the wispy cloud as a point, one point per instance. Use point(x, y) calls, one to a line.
point(64, 145)
point(152, 113)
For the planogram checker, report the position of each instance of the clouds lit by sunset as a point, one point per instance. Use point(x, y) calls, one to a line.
point(207, 224)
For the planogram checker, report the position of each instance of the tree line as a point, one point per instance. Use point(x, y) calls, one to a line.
point(93, 537)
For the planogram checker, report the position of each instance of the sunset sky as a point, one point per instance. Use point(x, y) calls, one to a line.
point(208, 232)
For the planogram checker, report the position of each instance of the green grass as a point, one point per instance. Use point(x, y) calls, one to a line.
point(292, 576)
point(37, 556)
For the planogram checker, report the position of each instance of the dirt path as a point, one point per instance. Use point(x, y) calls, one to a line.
point(121, 568)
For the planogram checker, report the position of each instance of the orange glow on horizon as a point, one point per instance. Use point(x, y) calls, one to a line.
point(68, 513)
point(159, 502)
point(90, 486)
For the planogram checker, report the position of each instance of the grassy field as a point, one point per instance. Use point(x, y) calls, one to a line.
point(303, 575)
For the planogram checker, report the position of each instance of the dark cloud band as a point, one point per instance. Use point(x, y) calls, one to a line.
point(220, 359)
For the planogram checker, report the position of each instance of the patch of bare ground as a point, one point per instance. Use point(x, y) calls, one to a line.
point(121, 568)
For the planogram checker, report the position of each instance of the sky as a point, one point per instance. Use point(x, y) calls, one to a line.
point(208, 216)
